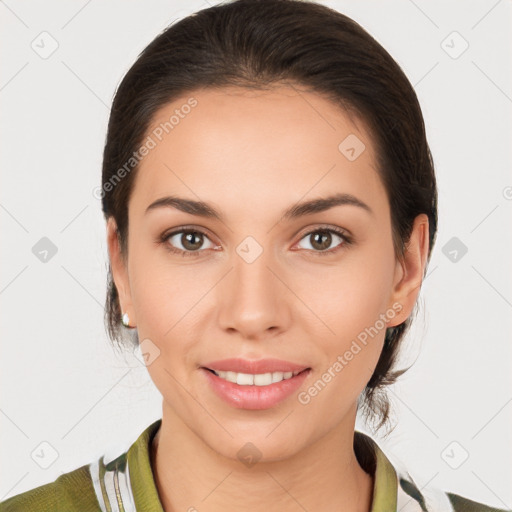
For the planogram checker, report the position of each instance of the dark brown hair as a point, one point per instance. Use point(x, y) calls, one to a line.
point(257, 44)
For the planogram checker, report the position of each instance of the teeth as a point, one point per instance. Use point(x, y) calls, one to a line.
point(260, 379)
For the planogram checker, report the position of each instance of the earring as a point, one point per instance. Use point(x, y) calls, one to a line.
point(125, 319)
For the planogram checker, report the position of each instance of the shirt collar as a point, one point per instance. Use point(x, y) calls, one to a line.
point(146, 496)
point(385, 482)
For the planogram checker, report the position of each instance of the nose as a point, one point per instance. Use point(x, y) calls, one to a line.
point(252, 299)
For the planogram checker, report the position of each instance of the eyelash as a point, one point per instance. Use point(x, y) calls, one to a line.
point(347, 240)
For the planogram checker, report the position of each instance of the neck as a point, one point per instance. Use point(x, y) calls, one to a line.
point(324, 476)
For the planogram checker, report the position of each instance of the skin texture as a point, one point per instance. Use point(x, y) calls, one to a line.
point(252, 155)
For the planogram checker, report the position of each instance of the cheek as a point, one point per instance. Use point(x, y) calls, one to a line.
point(353, 302)
point(167, 298)
point(166, 301)
point(155, 292)
point(356, 292)
point(353, 306)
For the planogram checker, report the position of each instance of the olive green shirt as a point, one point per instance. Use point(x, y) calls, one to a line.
point(127, 484)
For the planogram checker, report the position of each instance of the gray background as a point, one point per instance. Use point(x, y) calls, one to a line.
point(62, 383)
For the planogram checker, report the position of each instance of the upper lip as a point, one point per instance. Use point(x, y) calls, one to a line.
point(254, 366)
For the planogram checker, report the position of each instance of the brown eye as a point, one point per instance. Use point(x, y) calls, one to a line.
point(191, 241)
point(321, 240)
point(187, 241)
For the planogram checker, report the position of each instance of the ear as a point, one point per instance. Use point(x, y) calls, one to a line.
point(410, 269)
point(119, 271)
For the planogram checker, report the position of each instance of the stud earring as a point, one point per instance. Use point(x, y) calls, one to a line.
point(125, 319)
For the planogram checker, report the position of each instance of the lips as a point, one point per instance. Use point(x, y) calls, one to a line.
point(252, 395)
point(254, 366)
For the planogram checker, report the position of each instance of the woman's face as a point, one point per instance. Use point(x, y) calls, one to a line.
point(256, 283)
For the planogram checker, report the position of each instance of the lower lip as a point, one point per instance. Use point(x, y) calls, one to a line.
point(255, 397)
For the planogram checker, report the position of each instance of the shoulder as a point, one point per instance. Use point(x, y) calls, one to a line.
point(396, 489)
point(461, 504)
point(430, 498)
point(70, 492)
point(120, 480)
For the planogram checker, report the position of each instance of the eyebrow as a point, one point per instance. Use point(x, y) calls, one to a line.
point(310, 207)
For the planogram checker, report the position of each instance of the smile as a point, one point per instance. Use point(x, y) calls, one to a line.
point(255, 390)
point(258, 379)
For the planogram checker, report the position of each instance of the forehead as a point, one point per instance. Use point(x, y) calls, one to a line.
point(255, 147)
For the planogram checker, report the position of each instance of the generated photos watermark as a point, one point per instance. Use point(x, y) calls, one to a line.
point(151, 142)
point(304, 397)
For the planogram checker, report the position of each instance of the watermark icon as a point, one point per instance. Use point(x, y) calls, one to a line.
point(351, 147)
point(454, 45)
point(146, 352)
point(304, 397)
point(249, 249)
point(44, 455)
point(454, 249)
point(150, 142)
point(44, 250)
point(507, 193)
point(455, 455)
point(249, 455)
point(45, 45)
